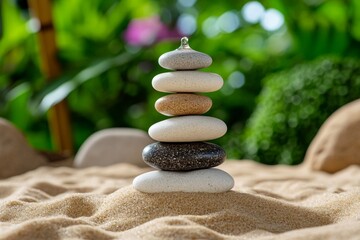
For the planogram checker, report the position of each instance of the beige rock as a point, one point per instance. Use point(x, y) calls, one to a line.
point(183, 104)
point(111, 146)
point(187, 81)
point(16, 156)
point(337, 144)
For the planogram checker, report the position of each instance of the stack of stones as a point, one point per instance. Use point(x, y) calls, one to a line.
point(185, 161)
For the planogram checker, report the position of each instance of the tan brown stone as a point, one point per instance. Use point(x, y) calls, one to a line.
point(16, 156)
point(337, 144)
point(183, 104)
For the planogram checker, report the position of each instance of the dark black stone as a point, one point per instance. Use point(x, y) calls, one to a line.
point(183, 156)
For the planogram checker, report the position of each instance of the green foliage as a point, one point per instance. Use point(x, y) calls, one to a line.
point(323, 27)
point(292, 106)
point(107, 82)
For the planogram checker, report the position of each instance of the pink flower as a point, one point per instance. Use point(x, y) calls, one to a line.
point(146, 31)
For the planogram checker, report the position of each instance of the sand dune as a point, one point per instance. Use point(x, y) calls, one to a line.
point(278, 202)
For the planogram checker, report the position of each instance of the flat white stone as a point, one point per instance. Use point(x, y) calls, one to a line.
point(210, 180)
point(188, 129)
point(184, 59)
point(187, 81)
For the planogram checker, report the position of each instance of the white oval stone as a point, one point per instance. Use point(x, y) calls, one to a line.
point(187, 81)
point(210, 180)
point(184, 59)
point(188, 129)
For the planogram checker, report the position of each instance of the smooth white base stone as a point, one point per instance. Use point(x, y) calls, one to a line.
point(188, 129)
point(187, 81)
point(210, 180)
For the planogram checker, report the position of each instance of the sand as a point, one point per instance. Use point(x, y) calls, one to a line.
point(279, 202)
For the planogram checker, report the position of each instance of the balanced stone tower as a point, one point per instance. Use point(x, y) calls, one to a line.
point(185, 162)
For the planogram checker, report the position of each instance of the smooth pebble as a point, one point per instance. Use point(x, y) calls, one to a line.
point(16, 155)
point(184, 59)
point(210, 180)
point(336, 146)
point(188, 129)
point(183, 156)
point(183, 104)
point(112, 146)
point(187, 81)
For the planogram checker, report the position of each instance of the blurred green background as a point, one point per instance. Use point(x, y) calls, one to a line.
point(287, 65)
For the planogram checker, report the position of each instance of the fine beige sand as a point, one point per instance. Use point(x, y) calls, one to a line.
point(278, 202)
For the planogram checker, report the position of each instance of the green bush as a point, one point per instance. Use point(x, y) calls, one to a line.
point(293, 105)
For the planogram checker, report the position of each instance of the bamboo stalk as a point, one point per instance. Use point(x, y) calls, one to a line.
point(58, 116)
